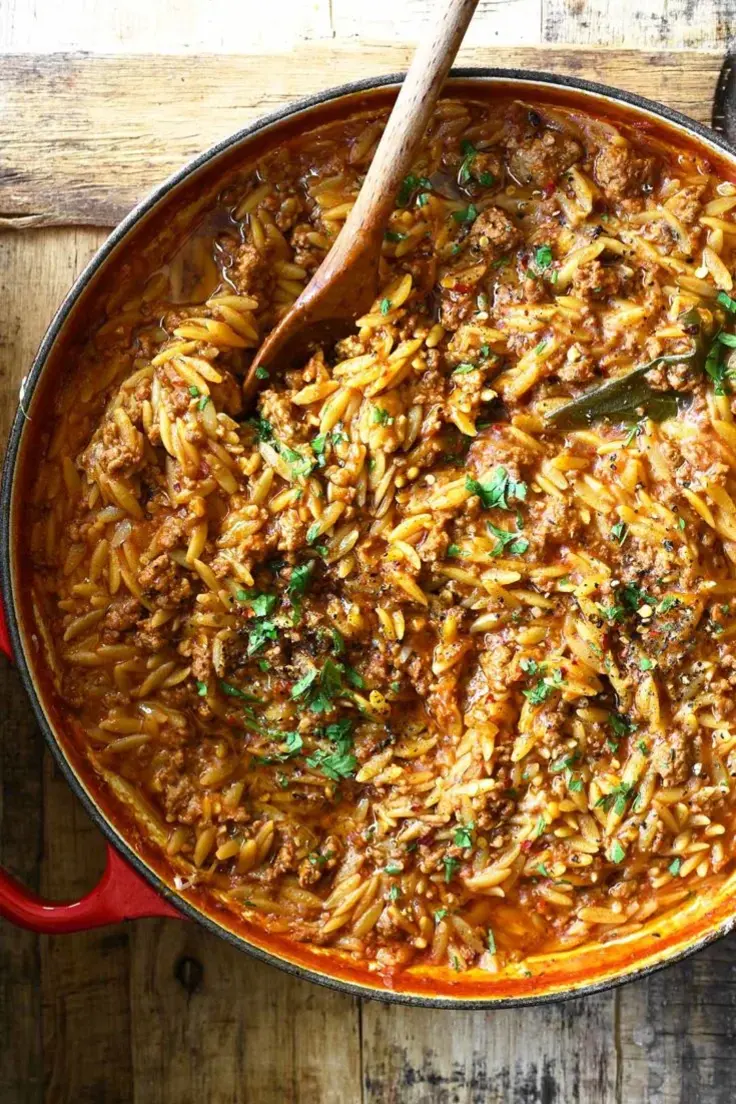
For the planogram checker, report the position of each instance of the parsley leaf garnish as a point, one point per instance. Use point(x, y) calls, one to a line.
point(464, 175)
point(463, 836)
point(516, 544)
point(726, 301)
point(544, 687)
point(451, 866)
point(617, 799)
point(468, 214)
point(497, 492)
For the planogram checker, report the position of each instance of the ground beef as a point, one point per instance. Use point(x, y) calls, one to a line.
point(686, 204)
point(494, 233)
point(492, 449)
point(252, 274)
point(163, 583)
point(113, 453)
point(306, 253)
point(122, 614)
point(541, 161)
point(672, 758)
point(620, 172)
point(596, 281)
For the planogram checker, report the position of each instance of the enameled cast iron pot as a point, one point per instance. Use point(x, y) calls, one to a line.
point(136, 881)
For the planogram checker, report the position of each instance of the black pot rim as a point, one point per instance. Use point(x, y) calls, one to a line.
point(490, 75)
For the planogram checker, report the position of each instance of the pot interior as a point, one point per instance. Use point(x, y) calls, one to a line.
point(140, 245)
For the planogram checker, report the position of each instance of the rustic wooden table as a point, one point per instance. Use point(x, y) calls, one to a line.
point(158, 1012)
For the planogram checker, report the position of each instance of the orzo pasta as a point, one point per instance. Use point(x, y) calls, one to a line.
point(415, 661)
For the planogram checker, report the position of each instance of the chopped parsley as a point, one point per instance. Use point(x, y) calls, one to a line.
point(262, 373)
point(666, 604)
point(646, 664)
point(261, 604)
point(201, 689)
point(336, 765)
point(491, 941)
point(301, 580)
point(463, 836)
point(467, 214)
point(463, 369)
point(203, 402)
point(451, 866)
point(393, 869)
point(617, 853)
point(232, 692)
point(727, 302)
point(262, 630)
point(381, 417)
point(612, 613)
point(294, 745)
point(262, 427)
point(674, 867)
point(470, 153)
point(320, 687)
point(540, 347)
point(619, 532)
point(542, 259)
point(385, 306)
point(540, 827)
point(715, 366)
point(394, 893)
point(439, 914)
point(516, 544)
point(301, 466)
point(454, 550)
point(395, 235)
point(313, 533)
point(617, 799)
point(409, 186)
point(544, 687)
point(620, 724)
point(497, 492)
point(194, 391)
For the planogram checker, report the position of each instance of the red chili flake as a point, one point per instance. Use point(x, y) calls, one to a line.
point(462, 287)
point(526, 845)
point(549, 188)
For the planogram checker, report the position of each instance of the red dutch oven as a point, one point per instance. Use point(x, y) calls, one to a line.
point(137, 881)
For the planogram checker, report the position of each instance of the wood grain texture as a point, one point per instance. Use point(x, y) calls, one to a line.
point(84, 138)
point(182, 27)
point(412, 1056)
point(212, 1025)
point(657, 24)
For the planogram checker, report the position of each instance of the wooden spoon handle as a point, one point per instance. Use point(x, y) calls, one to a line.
point(404, 131)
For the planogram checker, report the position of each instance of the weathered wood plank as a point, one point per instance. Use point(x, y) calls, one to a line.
point(678, 1032)
point(21, 820)
point(132, 26)
point(83, 138)
point(211, 1024)
point(84, 978)
point(557, 1054)
point(35, 271)
point(658, 24)
point(495, 23)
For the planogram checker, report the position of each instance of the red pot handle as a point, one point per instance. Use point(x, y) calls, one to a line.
point(121, 893)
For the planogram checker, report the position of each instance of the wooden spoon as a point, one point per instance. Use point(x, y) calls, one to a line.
point(346, 283)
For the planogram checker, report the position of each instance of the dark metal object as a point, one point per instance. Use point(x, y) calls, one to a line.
point(527, 82)
point(724, 99)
